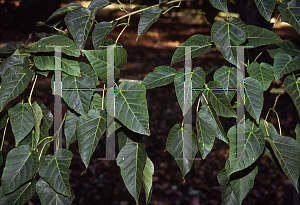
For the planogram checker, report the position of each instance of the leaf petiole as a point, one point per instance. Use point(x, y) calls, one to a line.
point(4, 133)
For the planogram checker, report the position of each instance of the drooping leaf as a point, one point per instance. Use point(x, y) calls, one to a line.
point(290, 12)
point(38, 116)
point(122, 140)
point(225, 34)
point(11, 61)
point(89, 133)
point(180, 148)
point(265, 8)
point(3, 121)
point(99, 4)
point(47, 119)
point(286, 47)
point(79, 23)
point(29, 140)
point(10, 47)
point(287, 152)
point(201, 45)
point(21, 120)
point(219, 4)
point(131, 160)
point(65, 10)
point(50, 197)
point(149, 17)
point(284, 64)
point(100, 32)
point(218, 99)
point(96, 103)
point(254, 97)
point(292, 87)
point(70, 128)
point(258, 36)
point(263, 72)
point(130, 106)
point(246, 145)
point(162, 75)
point(197, 78)
point(228, 196)
point(147, 179)
point(68, 48)
point(20, 196)
point(55, 170)
point(20, 166)
point(98, 60)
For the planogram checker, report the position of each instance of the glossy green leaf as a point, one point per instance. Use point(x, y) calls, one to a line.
point(29, 140)
point(131, 160)
point(287, 152)
point(286, 47)
point(290, 12)
point(162, 75)
point(10, 47)
point(89, 133)
point(70, 128)
point(147, 179)
point(20, 196)
point(254, 97)
point(55, 170)
point(15, 77)
point(79, 23)
point(3, 121)
point(99, 4)
point(292, 87)
point(204, 43)
point(244, 152)
point(297, 131)
point(284, 64)
point(258, 36)
point(65, 10)
point(180, 148)
point(100, 32)
point(225, 34)
point(49, 197)
point(21, 120)
point(47, 119)
point(38, 116)
point(219, 4)
point(122, 140)
point(98, 60)
point(130, 106)
point(228, 196)
point(57, 40)
point(197, 78)
point(218, 99)
point(149, 17)
point(263, 72)
point(265, 8)
point(20, 166)
point(96, 103)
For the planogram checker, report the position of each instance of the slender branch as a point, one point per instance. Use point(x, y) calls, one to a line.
point(123, 30)
point(44, 148)
point(278, 121)
point(103, 97)
point(60, 125)
point(4, 133)
point(43, 140)
point(265, 127)
point(29, 100)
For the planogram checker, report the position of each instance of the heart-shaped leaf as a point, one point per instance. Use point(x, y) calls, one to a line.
point(258, 36)
point(100, 32)
point(162, 75)
point(290, 12)
point(220, 4)
point(263, 72)
point(292, 87)
point(265, 8)
point(284, 64)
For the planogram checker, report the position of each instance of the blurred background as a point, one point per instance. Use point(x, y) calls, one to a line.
point(102, 182)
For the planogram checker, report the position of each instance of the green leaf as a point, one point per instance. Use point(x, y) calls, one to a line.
point(162, 75)
point(96, 103)
point(20, 166)
point(204, 43)
point(254, 98)
point(290, 12)
point(265, 8)
point(20, 196)
point(70, 128)
point(65, 10)
point(29, 140)
point(38, 116)
point(131, 160)
point(79, 23)
point(149, 17)
point(284, 64)
point(228, 196)
point(178, 147)
point(57, 40)
point(122, 140)
point(47, 120)
point(297, 131)
point(15, 77)
point(98, 60)
point(197, 78)
point(219, 4)
point(251, 148)
point(272, 132)
point(21, 120)
point(100, 32)
point(225, 34)
point(218, 99)
point(130, 106)
point(147, 179)
point(263, 72)
point(292, 87)
point(55, 170)
point(258, 36)
point(286, 47)
point(46, 62)
point(49, 197)
point(3, 121)
point(10, 47)
point(99, 4)
point(89, 133)
point(287, 152)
